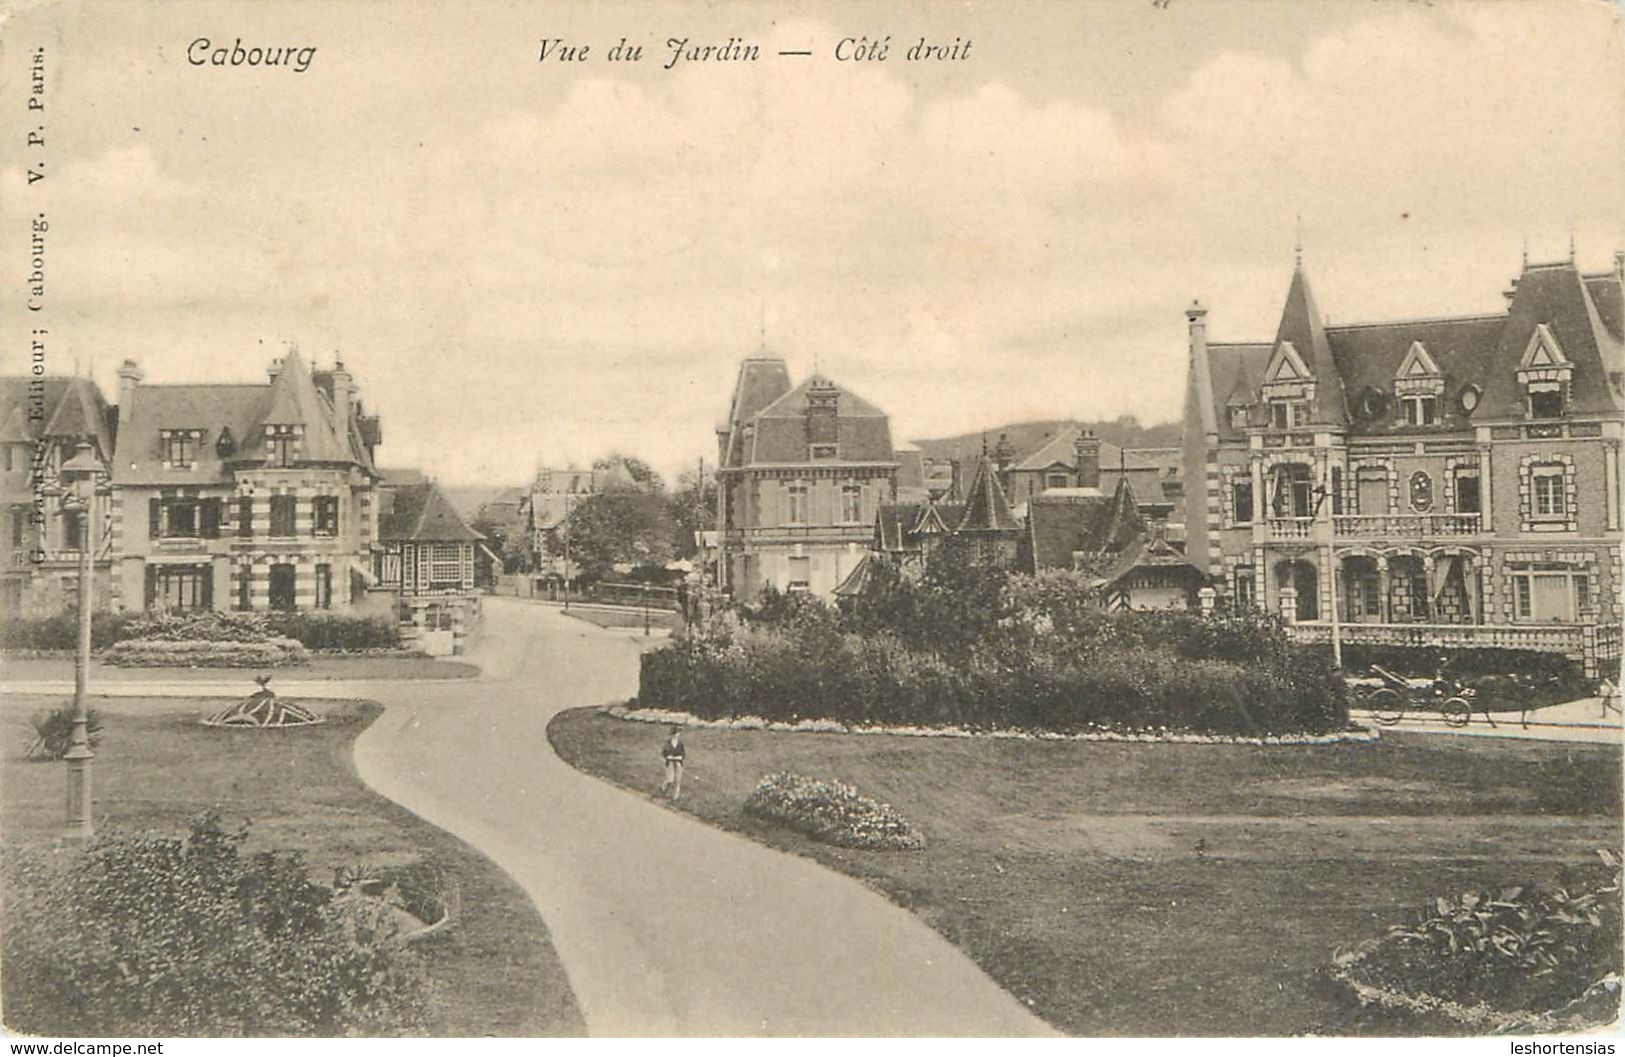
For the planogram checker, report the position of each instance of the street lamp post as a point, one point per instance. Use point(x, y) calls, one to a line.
point(79, 473)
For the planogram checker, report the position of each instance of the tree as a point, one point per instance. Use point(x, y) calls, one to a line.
point(620, 527)
point(642, 476)
point(693, 509)
point(507, 541)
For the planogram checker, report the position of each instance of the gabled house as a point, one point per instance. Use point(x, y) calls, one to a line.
point(44, 423)
point(426, 557)
point(1450, 481)
point(802, 471)
point(244, 496)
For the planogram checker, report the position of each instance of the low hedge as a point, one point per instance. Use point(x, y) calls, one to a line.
point(316, 631)
point(791, 674)
point(832, 812)
point(164, 653)
point(1469, 663)
point(147, 935)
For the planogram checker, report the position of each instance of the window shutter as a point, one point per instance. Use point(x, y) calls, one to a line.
point(152, 584)
point(245, 517)
point(206, 594)
point(154, 517)
point(211, 519)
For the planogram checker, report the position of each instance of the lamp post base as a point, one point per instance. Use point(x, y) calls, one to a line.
point(79, 825)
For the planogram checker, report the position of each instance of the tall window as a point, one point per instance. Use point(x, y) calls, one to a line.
point(73, 528)
point(181, 587)
point(19, 525)
point(796, 511)
point(1547, 491)
point(1241, 495)
point(245, 587)
point(1558, 596)
point(324, 587)
point(181, 518)
point(282, 515)
point(1467, 500)
point(327, 515)
point(281, 445)
point(180, 449)
point(1293, 492)
point(800, 574)
point(1244, 585)
point(245, 517)
point(851, 503)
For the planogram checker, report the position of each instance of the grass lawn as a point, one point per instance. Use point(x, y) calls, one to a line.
point(1163, 889)
point(321, 666)
point(157, 767)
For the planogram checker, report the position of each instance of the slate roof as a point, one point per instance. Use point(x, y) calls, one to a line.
point(1583, 312)
point(1061, 450)
point(243, 411)
point(1059, 525)
point(775, 432)
point(72, 407)
point(420, 513)
point(986, 509)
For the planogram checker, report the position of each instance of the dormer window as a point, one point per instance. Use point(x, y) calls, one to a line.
point(1418, 387)
point(1288, 388)
point(1544, 373)
point(1238, 417)
point(281, 444)
point(181, 447)
point(225, 445)
point(824, 451)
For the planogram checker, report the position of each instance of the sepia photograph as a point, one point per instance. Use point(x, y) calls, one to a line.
point(711, 520)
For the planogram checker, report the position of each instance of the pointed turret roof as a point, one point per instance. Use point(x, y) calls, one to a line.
point(986, 509)
point(13, 427)
point(82, 413)
point(1302, 326)
point(1553, 308)
point(294, 400)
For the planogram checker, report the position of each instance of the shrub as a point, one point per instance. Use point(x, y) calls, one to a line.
point(61, 632)
point(1519, 951)
point(336, 631)
point(148, 935)
point(164, 653)
point(53, 731)
point(832, 812)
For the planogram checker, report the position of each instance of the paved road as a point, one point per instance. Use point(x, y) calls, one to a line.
point(666, 926)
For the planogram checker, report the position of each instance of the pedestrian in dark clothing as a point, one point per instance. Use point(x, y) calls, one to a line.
point(672, 752)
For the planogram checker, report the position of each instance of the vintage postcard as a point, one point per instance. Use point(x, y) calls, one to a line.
point(909, 520)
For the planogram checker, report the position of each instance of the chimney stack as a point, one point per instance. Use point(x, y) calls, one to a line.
point(1087, 449)
point(129, 376)
point(274, 368)
point(343, 399)
point(823, 421)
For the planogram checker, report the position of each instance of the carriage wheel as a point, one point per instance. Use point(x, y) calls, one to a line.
point(1386, 705)
point(1456, 711)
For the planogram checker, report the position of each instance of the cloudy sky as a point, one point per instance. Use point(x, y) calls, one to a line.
point(527, 261)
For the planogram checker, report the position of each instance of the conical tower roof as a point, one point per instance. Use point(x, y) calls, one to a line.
point(986, 509)
point(1301, 325)
point(295, 401)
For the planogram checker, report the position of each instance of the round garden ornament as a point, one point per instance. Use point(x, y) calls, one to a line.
point(263, 709)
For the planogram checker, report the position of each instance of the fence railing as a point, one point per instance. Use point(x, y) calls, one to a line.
point(1405, 525)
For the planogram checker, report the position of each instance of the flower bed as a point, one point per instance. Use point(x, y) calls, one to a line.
point(1500, 961)
point(669, 717)
point(832, 812)
point(165, 653)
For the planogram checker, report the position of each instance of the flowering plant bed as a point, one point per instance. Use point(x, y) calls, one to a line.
point(1518, 959)
point(832, 726)
point(832, 812)
point(169, 653)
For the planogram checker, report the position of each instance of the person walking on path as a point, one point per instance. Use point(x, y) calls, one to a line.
point(673, 752)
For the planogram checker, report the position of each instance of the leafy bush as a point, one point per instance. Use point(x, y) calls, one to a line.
point(61, 632)
point(316, 631)
point(148, 935)
point(813, 669)
point(53, 731)
point(1519, 950)
point(832, 812)
point(164, 653)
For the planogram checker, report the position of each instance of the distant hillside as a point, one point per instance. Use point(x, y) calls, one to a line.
point(1125, 432)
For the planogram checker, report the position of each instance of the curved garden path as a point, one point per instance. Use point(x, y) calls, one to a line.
point(666, 926)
